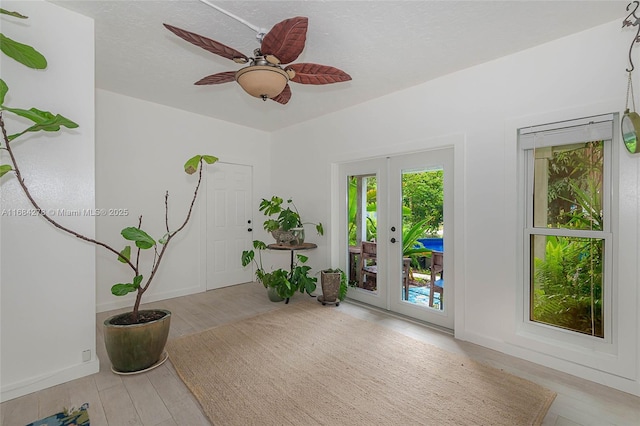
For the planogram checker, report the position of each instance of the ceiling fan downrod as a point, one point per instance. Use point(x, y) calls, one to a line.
point(260, 32)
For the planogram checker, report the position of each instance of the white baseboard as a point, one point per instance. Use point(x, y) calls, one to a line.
point(34, 384)
point(607, 379)
point(119, 303)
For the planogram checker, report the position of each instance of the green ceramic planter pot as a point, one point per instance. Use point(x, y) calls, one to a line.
point(136, 347)
point(273, 295)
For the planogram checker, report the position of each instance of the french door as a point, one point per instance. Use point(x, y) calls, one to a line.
point(404, 204)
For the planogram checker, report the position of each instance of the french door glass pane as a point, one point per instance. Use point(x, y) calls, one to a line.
point(422, 237)
point(362, 226)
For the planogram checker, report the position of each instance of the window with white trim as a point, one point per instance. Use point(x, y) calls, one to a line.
point(567, 226)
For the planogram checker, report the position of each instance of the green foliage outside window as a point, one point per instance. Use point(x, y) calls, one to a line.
point(567, 287)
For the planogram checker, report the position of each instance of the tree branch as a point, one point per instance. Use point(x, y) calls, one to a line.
point(41, 211)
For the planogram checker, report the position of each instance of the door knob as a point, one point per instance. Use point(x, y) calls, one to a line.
point(393, 240)
point(250, 229)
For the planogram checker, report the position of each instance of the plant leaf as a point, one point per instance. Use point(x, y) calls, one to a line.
point(259, 245)
point(247, 257)
point(4, 169)
point(14, 14)
point(209, 159)
point(44, 118)
point(272, 206)
point(45, 121)
point(33, 114)
point(125, 254)
point(122, 289)
point(22, 53)
point(288, 219)
point(3, 90)
point(142, 239)
point(271, 225)
point(164, 239)
point(191, 166)
point(137, 280)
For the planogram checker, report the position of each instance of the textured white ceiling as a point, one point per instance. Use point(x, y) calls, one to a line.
point(385, 46)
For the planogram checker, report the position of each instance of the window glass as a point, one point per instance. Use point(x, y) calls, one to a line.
point(568, 186)
point(566, 283)
point(566, 227)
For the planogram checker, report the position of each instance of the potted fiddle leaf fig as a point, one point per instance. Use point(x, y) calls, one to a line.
point(285, 223)
point(135, 340)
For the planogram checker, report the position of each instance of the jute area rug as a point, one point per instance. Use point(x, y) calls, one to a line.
point(306, 364)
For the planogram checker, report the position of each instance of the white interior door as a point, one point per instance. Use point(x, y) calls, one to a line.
point(377, 186)
point(229, 224)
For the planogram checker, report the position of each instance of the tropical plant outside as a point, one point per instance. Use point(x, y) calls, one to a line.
point(423, 198)
point(422, 210)
point(422, 201)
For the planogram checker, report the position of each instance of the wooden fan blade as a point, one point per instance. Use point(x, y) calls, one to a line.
point(286, 39)
point(284, 96)
point(219, 78)
point(317, 74)
point(208, 44)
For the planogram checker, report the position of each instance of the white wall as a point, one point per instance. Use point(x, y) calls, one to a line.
point(577, 76)
point(48, 278)
point(141, 148)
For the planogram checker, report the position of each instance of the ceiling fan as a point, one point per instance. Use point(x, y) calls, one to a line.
point(267, 76)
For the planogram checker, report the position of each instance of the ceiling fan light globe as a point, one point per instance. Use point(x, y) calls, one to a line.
point(262, 81)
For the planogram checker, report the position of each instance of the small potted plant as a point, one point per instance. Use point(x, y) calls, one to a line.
point(287, 227)
point(334, 286)
point(281, 284)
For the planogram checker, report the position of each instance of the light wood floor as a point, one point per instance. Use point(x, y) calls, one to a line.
point(159, 397)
